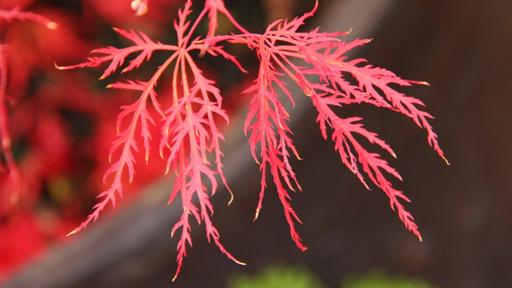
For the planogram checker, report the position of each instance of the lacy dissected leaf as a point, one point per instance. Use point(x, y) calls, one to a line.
point(318, 63)
point(189, 137)
point(315, 61)
point(116, 57)
point(268, 131)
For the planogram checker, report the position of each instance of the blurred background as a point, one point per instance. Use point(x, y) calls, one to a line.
point(63, 123)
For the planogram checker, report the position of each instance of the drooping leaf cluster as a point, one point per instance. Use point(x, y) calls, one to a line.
point(190, 138)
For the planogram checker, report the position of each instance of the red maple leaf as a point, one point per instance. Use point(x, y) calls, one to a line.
point(315, 61)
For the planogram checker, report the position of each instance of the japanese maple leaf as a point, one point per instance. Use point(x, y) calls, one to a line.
point(315, 61)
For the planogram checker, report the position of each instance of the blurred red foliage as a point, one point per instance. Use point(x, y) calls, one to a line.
point(61, 123)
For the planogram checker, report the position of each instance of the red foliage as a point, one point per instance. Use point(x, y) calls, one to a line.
point(30, 242)
point(314, 61)
point(324, 75)
point(7, 16)
point(58, 123)
point(189, 131)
